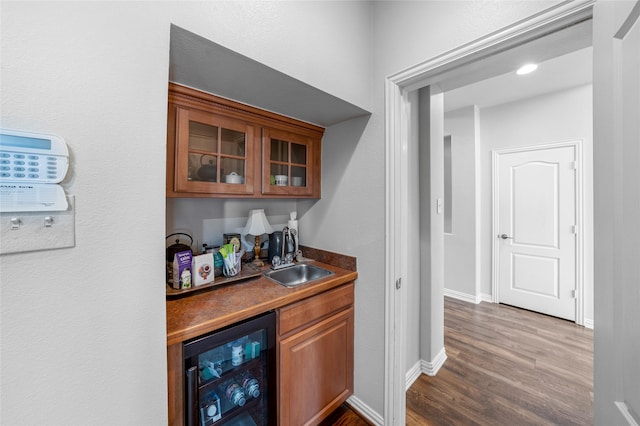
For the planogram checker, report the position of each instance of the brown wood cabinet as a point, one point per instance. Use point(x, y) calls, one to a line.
point(315, 352)
point(221, 148)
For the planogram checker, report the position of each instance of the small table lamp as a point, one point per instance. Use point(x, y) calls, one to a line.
point(257, 225)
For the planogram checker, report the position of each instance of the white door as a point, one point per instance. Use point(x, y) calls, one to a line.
point(536, 224)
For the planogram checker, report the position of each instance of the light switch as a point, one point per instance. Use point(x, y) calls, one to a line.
point(35, 231)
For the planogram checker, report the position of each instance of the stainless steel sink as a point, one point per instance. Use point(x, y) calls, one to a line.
point(296, 275)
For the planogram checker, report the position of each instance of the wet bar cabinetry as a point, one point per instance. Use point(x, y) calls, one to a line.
point(221, 148)
point(315, 345)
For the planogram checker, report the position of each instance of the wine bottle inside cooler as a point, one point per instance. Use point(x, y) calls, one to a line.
point(235, 394)
point(250, 385)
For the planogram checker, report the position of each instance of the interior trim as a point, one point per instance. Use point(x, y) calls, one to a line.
point(431, 368)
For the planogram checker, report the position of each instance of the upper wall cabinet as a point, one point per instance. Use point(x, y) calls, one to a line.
point(290, 164)
point(221, 148)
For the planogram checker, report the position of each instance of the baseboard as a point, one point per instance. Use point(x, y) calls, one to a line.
point(431, 368)
point(486, 297)
point(413, 374)
point(365, 411)
point(483, 297)
point(425, 367)
point(588, 323)
point(625, 413)
point(462, 296)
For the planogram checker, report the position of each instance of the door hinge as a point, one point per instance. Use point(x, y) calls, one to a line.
point(574, 294)
point(573, 165)
point(574, 229)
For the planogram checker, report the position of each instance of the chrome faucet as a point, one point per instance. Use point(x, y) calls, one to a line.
point(285, 241)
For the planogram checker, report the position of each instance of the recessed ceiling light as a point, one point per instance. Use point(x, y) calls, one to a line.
point(526, 69)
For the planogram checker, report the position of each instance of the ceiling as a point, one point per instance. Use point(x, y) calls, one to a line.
point(564, 57)
point(200, 63)
point(570, 70)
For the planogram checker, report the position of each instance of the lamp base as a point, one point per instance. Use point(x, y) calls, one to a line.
point(256, 253)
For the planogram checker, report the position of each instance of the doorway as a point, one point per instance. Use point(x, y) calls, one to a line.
point(398, 90)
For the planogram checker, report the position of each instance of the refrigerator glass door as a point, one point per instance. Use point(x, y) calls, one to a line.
point(231, 375)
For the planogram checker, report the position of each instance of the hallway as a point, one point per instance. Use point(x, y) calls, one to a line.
point(507, 366)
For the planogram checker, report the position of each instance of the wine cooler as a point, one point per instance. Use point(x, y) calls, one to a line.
point(230, 375)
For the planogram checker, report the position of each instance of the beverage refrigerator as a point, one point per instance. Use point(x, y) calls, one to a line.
point(230, 375)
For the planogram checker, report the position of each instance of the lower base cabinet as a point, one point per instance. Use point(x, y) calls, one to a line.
point(314, 359)
point(315, 356)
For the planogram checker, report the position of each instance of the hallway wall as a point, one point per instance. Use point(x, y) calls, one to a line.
point(462, 265)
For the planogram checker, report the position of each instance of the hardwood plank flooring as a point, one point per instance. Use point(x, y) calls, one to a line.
point(344, 415)
point(505, 366)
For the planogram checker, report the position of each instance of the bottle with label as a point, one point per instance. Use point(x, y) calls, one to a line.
point(235, 394)
point(293, 222)
point(250, 385)
point(237, 353)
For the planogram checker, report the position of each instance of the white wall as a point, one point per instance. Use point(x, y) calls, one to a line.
point(206, 220)
point(461, 277)
point(557, 117)
point(83, 329)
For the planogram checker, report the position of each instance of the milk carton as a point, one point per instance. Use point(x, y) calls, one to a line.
point(182, 270)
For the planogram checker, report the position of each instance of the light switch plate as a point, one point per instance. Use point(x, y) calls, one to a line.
point(35, 231)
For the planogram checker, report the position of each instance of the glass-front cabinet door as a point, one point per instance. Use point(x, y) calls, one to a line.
point(291, 164)
point(214, 154)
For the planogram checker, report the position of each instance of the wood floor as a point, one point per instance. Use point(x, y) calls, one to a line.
point(344, 416)
point(505, 366)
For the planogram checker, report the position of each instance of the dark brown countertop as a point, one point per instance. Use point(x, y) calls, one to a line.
point(214, 308)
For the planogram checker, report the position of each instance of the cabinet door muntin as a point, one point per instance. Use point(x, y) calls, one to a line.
point(288, 159)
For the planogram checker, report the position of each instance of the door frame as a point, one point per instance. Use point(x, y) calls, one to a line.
point(579, 219)
point(397, 125)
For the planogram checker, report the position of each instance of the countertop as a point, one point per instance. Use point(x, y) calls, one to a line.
point(217, 307)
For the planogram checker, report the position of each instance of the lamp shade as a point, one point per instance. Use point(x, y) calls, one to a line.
point(257, 223)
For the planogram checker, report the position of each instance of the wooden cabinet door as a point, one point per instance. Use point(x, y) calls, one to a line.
point(290, 164)
point(213, 154)
point(316, 370)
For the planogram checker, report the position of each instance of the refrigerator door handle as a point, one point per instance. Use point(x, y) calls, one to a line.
point(191, 406)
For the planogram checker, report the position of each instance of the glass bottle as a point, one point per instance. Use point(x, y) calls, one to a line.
point(235, 394)
point(250, 385)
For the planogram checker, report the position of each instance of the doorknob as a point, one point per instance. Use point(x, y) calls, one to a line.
point(506, 237)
